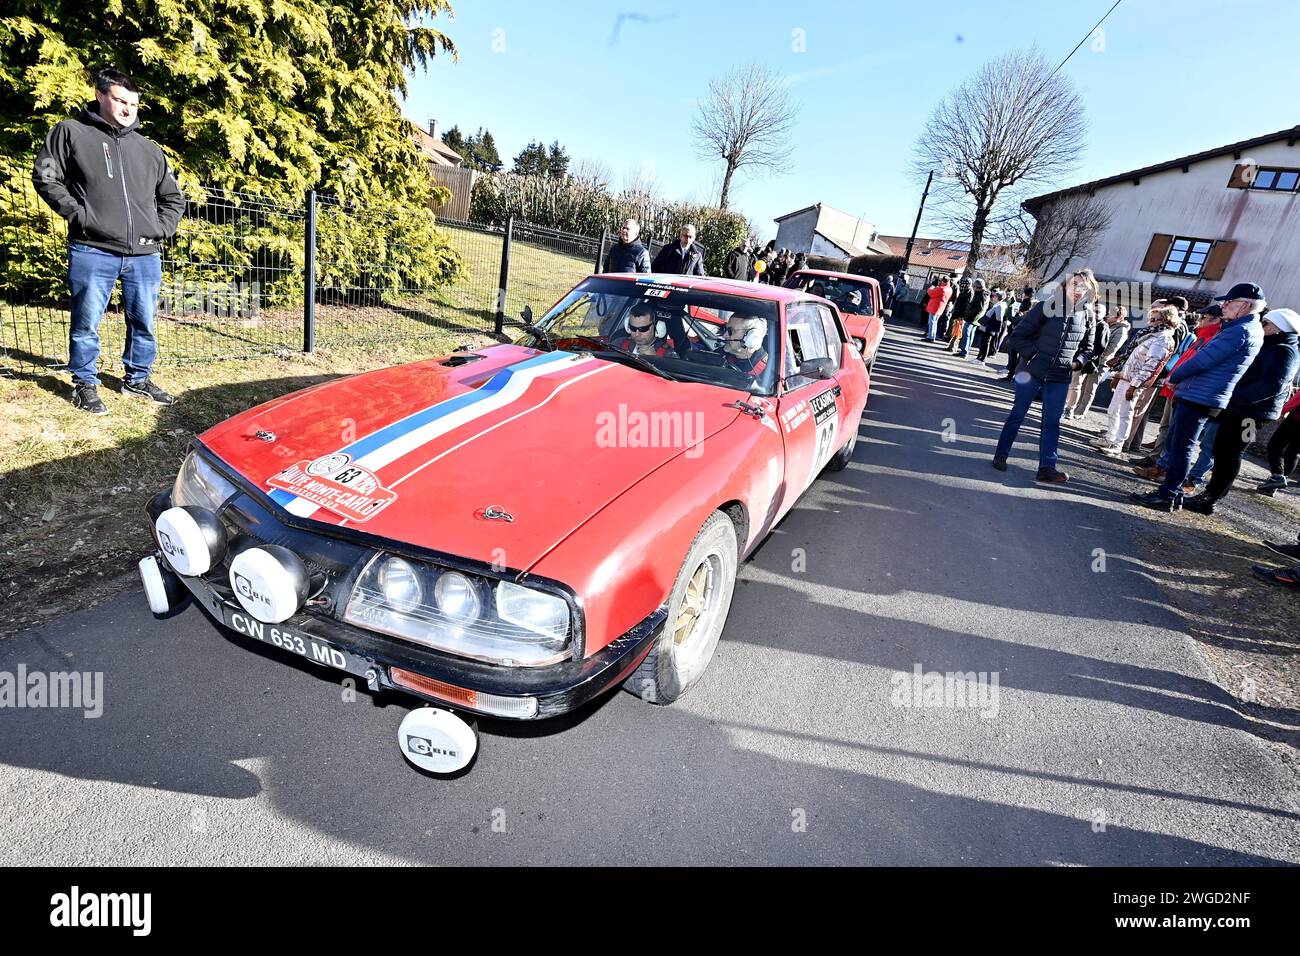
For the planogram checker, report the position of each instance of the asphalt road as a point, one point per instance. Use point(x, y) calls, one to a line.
point(1109, 742)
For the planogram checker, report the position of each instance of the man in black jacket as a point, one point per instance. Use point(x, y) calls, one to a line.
point(121, 202)
point(738, 263)
point(976, 305)
point(684, 257)
point(628, 255)
point(1048, 339)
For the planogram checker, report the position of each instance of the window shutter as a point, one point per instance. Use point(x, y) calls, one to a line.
point(1157, 252)
point(1217, 261)
point(1241, 179)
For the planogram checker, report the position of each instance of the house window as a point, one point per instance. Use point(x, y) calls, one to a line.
point(1187, 256)
point(1276, 180)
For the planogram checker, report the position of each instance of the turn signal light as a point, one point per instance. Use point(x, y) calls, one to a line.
point(517, 707)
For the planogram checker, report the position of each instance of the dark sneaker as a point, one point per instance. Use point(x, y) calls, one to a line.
point(1272, 483)
point(1202, 504)
point(86, 398)
point(1051, 476)
point(1145, 462)
point(1157, 501)
point(1287, 550)
point(1283, 576)
point(147, 389)
point(999, 463)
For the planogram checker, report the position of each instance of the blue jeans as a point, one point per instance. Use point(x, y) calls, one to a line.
point(92, 273)
point(967, 335)
point(1185, 427)
point(1204, 460)
point(931, 326)
point(1054, 394)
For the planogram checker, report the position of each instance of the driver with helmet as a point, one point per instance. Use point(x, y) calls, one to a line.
point(644, 336)
point(744, 344)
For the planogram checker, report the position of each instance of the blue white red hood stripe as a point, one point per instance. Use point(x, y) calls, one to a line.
point(400, 438)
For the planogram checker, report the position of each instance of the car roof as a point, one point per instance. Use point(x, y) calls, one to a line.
point(833, 275)
point(750, 290)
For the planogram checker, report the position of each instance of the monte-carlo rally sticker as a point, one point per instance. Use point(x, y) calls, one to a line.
point(336, 484)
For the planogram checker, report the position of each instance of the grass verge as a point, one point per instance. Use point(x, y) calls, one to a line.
point(73, 486)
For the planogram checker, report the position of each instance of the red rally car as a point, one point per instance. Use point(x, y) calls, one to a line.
point(857, 298)
point(513, 530)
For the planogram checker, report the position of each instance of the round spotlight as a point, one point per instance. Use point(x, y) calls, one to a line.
point(191, 538)
point(270, 582)
point(437, 740)
point(162, 588)
point(456, 596)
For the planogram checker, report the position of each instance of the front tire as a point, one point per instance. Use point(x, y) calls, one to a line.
point(697, 612)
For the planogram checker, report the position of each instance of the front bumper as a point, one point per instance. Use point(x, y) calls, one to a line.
point(325, 640)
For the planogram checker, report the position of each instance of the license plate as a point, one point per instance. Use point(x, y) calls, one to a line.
point(289, 639)
point(304, 645)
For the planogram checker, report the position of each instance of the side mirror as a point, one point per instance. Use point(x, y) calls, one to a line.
point(817, 368)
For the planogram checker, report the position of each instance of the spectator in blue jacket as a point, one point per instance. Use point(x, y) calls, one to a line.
point(1256, 401)
point(628, 255)
point(1203, 387)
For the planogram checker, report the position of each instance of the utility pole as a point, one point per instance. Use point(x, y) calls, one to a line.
point(907, 255)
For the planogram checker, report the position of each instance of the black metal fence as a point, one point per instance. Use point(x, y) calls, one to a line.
point(250, 275)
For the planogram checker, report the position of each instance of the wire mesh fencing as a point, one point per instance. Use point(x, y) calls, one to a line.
point(249, 274)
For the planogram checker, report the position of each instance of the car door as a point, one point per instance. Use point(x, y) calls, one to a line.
point(809, 408)
point(875, 322)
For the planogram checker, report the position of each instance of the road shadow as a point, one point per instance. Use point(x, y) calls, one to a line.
point(188, 711)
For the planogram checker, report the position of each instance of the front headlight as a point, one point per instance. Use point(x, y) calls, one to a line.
point(541, 613)
point(399, 583)
point(198, 483)
point(499, 622)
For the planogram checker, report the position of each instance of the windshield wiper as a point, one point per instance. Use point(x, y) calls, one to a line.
point(641, 361)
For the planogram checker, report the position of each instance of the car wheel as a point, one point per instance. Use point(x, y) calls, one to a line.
point(697, 612)
point(840, 460)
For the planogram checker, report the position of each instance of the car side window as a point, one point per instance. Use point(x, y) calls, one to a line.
point(834, 337)
point(805, 341)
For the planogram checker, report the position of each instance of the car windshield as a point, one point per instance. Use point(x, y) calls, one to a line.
point(849, 295)
point(685, 334)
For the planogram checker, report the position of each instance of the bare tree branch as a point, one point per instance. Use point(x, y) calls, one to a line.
point(1009, 128)
point(1065, 230)
point(745, 121)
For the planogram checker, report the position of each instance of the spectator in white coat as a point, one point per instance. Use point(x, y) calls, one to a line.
point(1143, 363)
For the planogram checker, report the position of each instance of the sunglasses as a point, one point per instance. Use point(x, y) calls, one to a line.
point(640, 328)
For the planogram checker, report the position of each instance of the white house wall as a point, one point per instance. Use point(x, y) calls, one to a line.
point(1265, 225)
point(841, 226)
point(822, 247)
point(796, 233)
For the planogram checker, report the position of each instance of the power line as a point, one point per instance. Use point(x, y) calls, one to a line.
point(1085, 38)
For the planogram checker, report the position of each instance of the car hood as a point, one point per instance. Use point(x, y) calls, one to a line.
point(855, 323)
point(495, 460)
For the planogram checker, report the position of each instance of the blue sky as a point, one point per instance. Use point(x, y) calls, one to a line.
point(618, 83)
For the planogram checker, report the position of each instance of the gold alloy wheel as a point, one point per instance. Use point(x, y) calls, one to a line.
point(695, 602)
